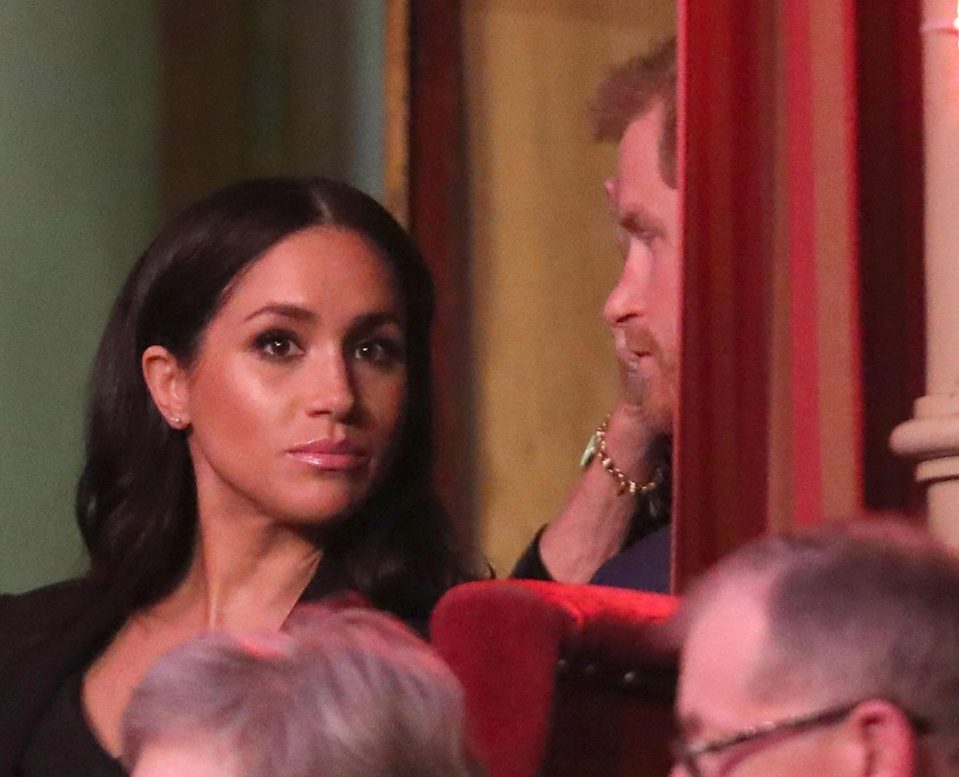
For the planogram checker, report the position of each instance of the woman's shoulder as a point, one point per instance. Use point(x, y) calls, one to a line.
point(45, 607)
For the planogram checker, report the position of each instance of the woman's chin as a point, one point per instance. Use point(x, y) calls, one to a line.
point(327, 508)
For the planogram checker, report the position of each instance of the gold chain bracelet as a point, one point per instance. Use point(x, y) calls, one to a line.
point(624, 483)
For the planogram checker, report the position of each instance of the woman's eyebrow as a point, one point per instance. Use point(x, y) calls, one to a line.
point(369, 320)
point(375, 319)
point(288, 311)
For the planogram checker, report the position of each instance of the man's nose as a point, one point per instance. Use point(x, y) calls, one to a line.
point(330, 387)
point(628, 299)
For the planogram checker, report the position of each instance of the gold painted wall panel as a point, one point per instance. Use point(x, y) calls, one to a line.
point(542, 252)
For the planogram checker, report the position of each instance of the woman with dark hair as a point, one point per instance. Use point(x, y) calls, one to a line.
point(259, 434)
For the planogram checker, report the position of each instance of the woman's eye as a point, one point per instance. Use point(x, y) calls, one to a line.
point(380, 352)
point(278, 345)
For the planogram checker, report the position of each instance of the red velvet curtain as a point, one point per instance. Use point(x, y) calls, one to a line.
point(732, 70)
point(437, 212)
point(727, 129)
point(890, 226)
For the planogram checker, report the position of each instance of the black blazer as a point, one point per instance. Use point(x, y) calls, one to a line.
point(46, 636)
point(49, 634)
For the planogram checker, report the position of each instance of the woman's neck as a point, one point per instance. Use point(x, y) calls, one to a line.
point(247, 573)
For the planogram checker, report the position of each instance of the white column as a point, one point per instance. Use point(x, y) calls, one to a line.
point(932, 436)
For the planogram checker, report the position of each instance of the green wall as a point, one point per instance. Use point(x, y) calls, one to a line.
point(337, 93)
point(79, 99)
point(316, 102)
point(77, 107)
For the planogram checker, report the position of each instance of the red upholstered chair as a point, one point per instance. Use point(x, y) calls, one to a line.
point(562, 679)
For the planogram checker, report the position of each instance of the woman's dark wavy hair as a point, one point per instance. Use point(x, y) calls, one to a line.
point(136, 499)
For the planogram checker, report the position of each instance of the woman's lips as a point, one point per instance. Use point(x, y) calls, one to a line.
point(330, 455)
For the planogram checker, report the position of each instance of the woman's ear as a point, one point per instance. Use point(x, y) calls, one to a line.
point(886, 740)
point(167, 382)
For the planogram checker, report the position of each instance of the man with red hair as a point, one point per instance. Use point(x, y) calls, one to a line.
point(616, 518)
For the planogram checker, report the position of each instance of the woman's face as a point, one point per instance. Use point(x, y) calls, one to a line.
point(298, 388)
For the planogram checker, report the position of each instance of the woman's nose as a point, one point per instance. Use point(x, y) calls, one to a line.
point(330, 388)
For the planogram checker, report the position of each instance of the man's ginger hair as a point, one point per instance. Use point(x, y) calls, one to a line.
point(634, 89)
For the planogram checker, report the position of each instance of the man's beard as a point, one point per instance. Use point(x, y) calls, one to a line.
point(657, 383)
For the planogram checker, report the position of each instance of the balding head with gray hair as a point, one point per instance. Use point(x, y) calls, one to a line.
point(849, 613)
point(349, 693)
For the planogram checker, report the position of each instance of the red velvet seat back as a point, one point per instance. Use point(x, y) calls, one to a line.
point(561, 679)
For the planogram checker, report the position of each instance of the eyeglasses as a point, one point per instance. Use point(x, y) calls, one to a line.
point(687, 755)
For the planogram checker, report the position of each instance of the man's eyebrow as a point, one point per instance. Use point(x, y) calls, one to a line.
point(641, 220)
point(280, 309)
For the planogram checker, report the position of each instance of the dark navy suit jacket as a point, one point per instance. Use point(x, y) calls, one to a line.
point(644, 565)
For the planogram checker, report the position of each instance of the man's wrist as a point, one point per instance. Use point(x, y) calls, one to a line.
point(624, 483)
point(633, 451)
point(629, 438)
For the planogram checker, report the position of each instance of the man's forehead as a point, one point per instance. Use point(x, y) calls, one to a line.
point(639, 147)
point(720, 653)
point(638, 185)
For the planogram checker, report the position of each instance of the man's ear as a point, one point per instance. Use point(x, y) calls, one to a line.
point(167, 381)
point(885, 740)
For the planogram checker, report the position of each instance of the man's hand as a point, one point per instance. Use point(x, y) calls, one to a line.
point(593, 524)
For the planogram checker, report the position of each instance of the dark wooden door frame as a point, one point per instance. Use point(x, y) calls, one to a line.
point(437, 213)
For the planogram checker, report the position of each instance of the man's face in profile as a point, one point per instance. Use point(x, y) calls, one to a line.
point(644, 308)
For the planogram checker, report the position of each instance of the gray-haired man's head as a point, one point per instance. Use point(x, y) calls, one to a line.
point(832, 652)
point(350, 693)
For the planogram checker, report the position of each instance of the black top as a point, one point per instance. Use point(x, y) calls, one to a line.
point(62, 741)
point(49, 638)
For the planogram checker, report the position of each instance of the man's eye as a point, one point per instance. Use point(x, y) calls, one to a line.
point(278, 345)
point(644, 236)
point(379, 351)
point(626, 239)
